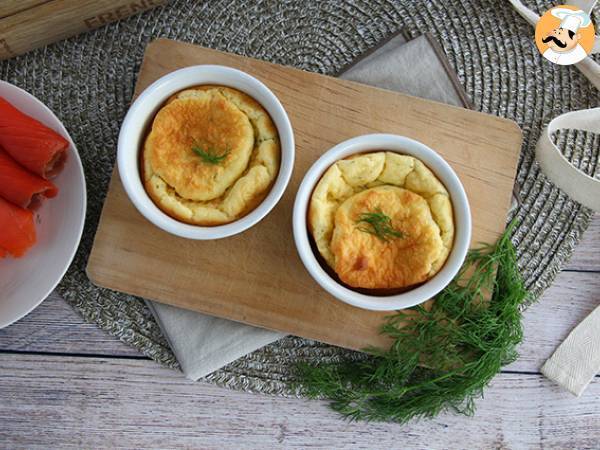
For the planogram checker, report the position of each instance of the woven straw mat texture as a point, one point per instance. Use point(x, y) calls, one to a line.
point(88, 82)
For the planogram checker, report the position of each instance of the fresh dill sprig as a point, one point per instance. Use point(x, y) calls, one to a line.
point(378, 224)
point(209, 155)
point(441, 358)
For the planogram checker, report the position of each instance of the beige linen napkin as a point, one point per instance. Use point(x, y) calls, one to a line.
point(203, 344)
point(417, 67)
point(576, 361)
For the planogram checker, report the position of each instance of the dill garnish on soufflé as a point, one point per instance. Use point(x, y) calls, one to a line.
point(210, 155)
point(378, 224)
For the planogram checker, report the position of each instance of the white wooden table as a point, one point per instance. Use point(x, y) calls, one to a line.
point(65, 383)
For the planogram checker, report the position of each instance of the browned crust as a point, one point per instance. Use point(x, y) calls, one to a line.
point(250, 205)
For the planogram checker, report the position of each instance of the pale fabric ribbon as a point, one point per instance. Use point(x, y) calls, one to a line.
point(577, 360)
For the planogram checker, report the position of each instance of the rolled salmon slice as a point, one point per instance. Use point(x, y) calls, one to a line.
point(17, 227)
point(20, 186)
point(31, 143)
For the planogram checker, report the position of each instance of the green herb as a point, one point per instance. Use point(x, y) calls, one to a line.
point(378, 224)
point(440, 359)
point(209, 155)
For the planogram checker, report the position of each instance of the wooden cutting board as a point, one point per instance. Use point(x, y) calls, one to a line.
point(257, 277)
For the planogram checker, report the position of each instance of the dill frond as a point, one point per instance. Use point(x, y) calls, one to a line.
point(209, 155)
point(378, 224)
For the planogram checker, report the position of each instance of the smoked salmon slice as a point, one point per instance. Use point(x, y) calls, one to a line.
point(17, 227)
point(31, 143)
point(20, 186)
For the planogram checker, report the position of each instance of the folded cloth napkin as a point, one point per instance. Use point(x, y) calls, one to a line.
point(417, 67)
point(577, 360)
point(203, 344)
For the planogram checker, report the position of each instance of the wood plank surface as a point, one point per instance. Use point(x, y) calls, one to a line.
point(587, 254)
point(55, 328)
point(265, 284)
point(88, 403)
point(572, 297)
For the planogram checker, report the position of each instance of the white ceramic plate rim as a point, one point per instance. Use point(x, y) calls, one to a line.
point(47, 288)
point(142, 112)
point(443, 171)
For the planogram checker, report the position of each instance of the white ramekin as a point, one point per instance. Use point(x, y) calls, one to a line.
point(141, 114)
point(462, 218)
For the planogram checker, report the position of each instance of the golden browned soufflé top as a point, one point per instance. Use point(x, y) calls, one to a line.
point(382, 220)
point(211, 155)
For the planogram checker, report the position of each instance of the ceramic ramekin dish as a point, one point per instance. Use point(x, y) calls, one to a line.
point(142, 112)
point(462, 220)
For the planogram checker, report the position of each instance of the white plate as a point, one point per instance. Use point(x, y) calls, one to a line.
point(27, 281)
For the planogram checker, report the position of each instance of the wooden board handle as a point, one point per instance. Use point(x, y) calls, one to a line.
point(54, 20)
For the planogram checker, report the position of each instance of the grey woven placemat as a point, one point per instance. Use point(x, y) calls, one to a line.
point(88, 81)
